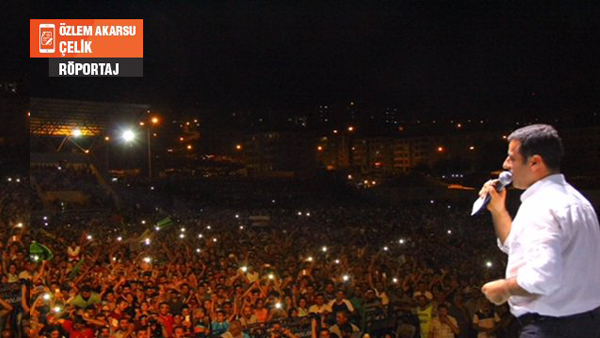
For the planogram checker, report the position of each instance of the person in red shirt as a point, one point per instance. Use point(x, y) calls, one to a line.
point(165, 318)
point(76, 328)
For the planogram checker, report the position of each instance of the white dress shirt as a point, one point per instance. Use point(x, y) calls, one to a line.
point(554, 250)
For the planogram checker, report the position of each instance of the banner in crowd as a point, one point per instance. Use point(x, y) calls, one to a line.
point(11, 293)
point(301, 327)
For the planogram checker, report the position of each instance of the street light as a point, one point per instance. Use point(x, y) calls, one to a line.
point(76, 132)
point(128, 135)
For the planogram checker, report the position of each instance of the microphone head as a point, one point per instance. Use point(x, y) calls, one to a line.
point(505, 178)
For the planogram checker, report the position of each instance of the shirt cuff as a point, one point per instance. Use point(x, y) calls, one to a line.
point(523, 284)
point(503, 247)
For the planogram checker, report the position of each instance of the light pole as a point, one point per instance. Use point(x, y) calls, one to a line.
point(127, 137)
point(153, 120)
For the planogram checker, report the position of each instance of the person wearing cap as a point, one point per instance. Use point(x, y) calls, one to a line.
point(421, 289)
point(552, 279)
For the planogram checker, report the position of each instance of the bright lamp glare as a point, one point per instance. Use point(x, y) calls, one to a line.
point(128, 136)
point(76, 132)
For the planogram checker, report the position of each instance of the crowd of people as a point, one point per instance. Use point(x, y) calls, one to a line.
point(319, 270)
point(15, 268)
point(65, 177)
point(330, 271)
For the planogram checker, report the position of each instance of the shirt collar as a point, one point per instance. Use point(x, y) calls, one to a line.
point(540, 184)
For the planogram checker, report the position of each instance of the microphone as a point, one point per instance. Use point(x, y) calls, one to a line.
point(504, 179)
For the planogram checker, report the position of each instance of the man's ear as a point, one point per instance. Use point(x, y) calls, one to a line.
point(536, 162)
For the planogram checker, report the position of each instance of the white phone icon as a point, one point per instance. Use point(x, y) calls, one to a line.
point(47, 38)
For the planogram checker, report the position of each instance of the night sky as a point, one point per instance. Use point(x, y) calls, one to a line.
point(435, 59)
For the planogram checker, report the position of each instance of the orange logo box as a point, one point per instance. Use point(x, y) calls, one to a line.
point(86, 38)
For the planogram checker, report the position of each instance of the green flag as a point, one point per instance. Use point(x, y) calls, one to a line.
point(164, 223)
point(77, 268)
point(39, 252)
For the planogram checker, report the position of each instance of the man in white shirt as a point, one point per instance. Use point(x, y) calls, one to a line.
point(553, 274)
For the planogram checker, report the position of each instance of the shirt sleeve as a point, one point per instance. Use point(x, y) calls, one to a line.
point(542, 274)
point(503, 246)
point(349, 305)
point(95, 298)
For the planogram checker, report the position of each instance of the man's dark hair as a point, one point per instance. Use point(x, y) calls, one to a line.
point(542, 140)
point(78, 320)
point(344, 312)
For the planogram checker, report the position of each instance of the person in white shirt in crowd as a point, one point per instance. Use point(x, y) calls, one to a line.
point(552, 279)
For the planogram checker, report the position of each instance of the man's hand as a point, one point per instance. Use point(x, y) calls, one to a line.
point(497, 202)
point(497, 291)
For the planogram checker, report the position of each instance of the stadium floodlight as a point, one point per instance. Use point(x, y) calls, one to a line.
point(128, 135)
